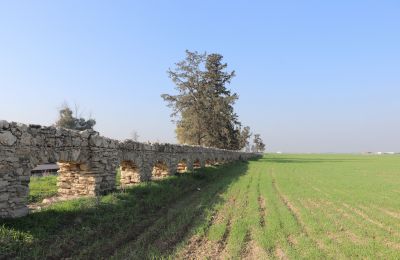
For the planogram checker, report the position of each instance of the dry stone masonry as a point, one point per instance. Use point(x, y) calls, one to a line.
point(88, 161)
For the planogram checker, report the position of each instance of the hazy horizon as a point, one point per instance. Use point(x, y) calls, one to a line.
point(312, 76)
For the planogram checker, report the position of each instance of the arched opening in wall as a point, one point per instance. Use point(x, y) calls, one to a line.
point(42, 181)
point(129, 174)
point(182, 166)
point(160, 170)
point(197, 164)
point(71, 179)
point(216, 161)
point(209, 162)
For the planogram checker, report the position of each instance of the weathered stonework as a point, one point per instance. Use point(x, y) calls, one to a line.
point(88, 161)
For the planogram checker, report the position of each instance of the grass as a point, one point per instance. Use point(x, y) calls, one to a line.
point(305, 207)
point(278, 207)
point(42, 187)
point(102, 227)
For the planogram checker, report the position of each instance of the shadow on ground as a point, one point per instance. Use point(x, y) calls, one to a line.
point(94, 228)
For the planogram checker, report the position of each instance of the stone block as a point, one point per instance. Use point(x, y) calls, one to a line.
point(4, 124)
point(3, 184)
point(18, 200)
point(64, 185)
point(20, 212)
point(4, 197)
point(7, 138)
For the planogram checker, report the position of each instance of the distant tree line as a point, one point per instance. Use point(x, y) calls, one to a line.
point(203, 107)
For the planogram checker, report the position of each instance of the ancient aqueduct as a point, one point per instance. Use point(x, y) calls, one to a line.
point(88, 161)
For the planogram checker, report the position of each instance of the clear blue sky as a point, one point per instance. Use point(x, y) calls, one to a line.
point(313, 76)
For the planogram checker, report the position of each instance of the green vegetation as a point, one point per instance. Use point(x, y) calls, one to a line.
point(280, 206)
point(67, 120)
point(118, 178)
point(203, 107)
point(99, 227)
point(42, 187)
point(259, 145)
point(306, 207)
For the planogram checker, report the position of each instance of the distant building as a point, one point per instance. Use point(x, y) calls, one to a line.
point(381, 153)
point(45, 169)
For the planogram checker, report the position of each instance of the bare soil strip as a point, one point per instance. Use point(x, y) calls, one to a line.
point(202, 247)
point(280, 254)
point(261, 205)
point(254, 251)
point(222, 244)
point(292, 240)
point(245, 249)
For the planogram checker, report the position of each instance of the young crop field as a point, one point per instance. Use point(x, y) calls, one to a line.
point(276, 207)
point(305, 206)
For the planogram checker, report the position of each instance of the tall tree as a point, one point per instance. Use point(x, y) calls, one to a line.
point(67, 120)
point(245, 135)
point(223, 124)
point(203, 107)
point(186, 105)
point(259, 145)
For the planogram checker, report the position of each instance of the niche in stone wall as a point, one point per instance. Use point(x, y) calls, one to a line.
point(129, 173)
point(182, 166)
point(196, 164)
point(209, 162)
point(217, 161)
point(160, 170)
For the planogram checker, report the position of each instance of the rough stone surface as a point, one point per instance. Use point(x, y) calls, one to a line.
point(7, 138)
point(88, 161)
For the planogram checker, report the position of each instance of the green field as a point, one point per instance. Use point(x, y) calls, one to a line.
point(277, 207)
point(42, 187)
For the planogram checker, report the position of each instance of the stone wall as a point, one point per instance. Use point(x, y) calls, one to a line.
point(88, 161)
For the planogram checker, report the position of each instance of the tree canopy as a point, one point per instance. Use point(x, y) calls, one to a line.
point(203, 107)
point(67, 120)
point(259, 145)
